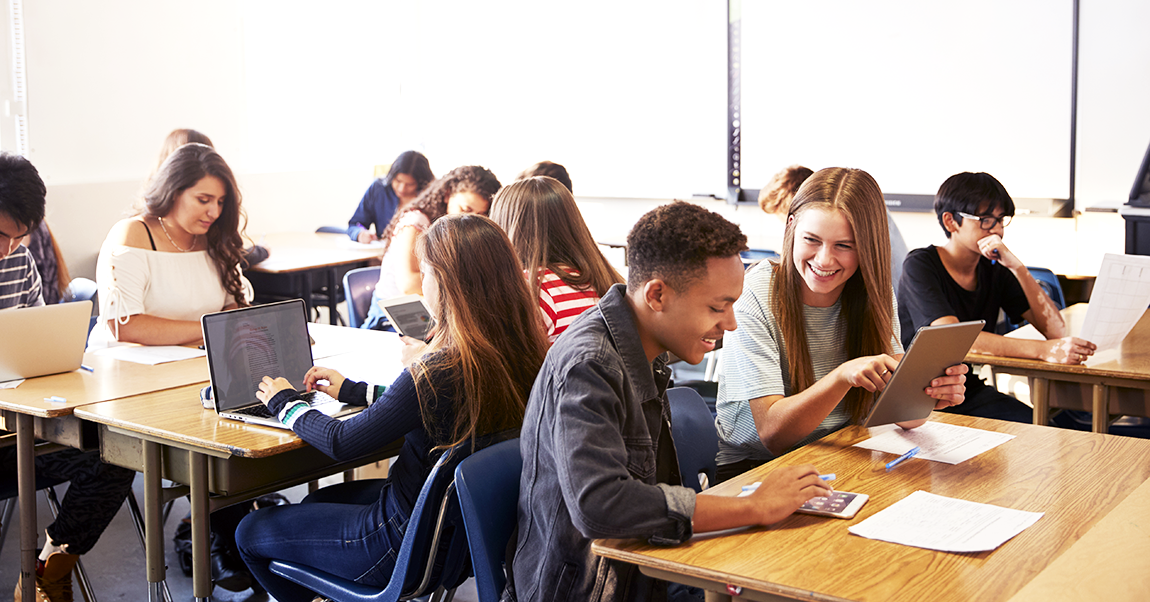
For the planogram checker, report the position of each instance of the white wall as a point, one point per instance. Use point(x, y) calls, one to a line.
point(108, 80)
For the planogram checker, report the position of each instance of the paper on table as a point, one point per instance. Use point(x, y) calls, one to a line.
point(363, 367)
point(1119, 299)
point(150, 355)
point(935, 522)
point(11, 384)
point(938, 441)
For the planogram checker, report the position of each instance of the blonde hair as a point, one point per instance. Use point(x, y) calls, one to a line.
point(777, 195)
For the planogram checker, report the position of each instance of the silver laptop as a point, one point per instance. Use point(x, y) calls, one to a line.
point(931, 352)
point(244, 345)
point(43, 340)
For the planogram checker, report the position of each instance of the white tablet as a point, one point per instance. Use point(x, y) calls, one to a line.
point(409, 315)
point(931, 352)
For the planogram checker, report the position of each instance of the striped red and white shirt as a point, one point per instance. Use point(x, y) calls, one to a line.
point(560, 304)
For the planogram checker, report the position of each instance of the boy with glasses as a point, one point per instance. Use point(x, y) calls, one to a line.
point(974, 275)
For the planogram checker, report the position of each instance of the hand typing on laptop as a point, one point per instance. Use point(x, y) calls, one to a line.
point(269, 386)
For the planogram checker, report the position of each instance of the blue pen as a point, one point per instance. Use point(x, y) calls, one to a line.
point(87, 368)
point(903, 458)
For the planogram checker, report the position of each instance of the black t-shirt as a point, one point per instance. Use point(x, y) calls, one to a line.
point(926, 293)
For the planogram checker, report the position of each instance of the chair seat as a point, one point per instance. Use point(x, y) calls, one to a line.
point(332, 587)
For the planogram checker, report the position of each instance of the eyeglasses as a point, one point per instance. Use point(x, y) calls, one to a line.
point(988, 222)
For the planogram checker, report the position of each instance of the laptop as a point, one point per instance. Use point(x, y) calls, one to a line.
point(49, 339)
point(244, 345)
point(931, 352)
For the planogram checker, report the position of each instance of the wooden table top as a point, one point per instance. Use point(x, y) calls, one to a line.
point(1131, 360)
point(299, 251)
point(175, 415)
point(112, 379)
point(1077, 479)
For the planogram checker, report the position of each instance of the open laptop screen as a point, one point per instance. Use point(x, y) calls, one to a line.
point(244, 345)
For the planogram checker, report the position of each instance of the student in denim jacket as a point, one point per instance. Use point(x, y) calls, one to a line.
point(598, 459)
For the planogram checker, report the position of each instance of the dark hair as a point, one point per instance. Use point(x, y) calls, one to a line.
point(545, 227)
point(413, 164)
point(22, 191)
point(178, 138)
point(674, 242)
point(189, 164)
point(970, 193)
point(432, 202)
point(777, 196)
point(491, 356)
point(866, 297)
point(549, 169)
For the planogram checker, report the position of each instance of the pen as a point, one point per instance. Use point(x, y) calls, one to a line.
point(903, 458)
point(87, 368)
point(755, 485)
point(55, 399)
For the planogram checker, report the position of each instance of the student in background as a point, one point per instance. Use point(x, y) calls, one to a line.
point(410, 173)
point(549, 169)
point(775, 200)
point(96, 489)
point(817, 330)
point(972, 277)
point(568, 273)
point(598, 460)
point(467, 189)
point(471, 386)
point(54, 277)
point(178, 259)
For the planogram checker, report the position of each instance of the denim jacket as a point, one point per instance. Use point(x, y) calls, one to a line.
point(598, 462)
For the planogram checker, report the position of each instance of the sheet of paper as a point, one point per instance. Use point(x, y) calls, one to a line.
point(151, 355)
point(938, 441)
point(347, 243)
point(11, 384)
point(363, 367)
point(935, 522)
point(1120, 297)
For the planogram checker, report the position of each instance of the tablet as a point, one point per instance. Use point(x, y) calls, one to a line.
point(931, 352)
point(409, 315)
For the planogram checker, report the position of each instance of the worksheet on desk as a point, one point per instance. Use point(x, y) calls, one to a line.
point(938, 441)
point(1118, 300)
point(935, 522)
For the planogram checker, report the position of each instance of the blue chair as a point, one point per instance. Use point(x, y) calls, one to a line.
point(696, 441)
point(488, 488)
point(332, 230)
point(433, 556)
point(358, 285)
point(83, 289)
point(1049, 283)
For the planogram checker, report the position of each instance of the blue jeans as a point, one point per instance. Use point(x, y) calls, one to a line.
point(343, 529)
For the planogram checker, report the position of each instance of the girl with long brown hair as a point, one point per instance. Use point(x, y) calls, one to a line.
point(467, 189)
point(566, 270)
point(470, 388)
point(177, 259)
point(818, 330)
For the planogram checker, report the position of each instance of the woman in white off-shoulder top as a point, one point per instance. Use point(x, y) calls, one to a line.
point(179, 258)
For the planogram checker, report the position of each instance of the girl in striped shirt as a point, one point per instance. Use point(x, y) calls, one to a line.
point(566, 270)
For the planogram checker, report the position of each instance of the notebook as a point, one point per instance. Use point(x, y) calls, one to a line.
point(244, 345)
point(931, 352)
point(43, 340)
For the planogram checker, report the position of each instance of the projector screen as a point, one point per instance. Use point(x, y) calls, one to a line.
point(911, 92)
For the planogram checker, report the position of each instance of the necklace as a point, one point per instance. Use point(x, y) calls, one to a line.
point(178, 247)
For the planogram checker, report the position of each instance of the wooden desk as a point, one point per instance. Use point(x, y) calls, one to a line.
point(1128, 367)
point(25, 411)
point(1090, 487)
point(168, 434)
point(295, 257)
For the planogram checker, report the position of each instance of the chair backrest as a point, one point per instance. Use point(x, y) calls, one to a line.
point(1049, 283)
point(84, 289)
point(331, 230)
point(358, 285)
point(488, 487)
point(696, 441)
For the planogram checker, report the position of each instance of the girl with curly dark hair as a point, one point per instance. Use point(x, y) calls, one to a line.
point(177, 259)
point(467, 189)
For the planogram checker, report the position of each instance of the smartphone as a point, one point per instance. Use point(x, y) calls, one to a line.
point(839, 504)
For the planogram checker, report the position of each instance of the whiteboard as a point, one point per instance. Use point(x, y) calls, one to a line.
point(912, 92)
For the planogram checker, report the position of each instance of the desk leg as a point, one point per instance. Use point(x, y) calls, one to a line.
point(332, 298)
point(305, 291)
point(1040, 397)
point(710, 596)
point(153, 527)
point(201, 527)
point(1101, 408)
point(26, 489)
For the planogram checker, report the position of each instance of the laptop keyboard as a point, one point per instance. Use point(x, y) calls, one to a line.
point(259, 410)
